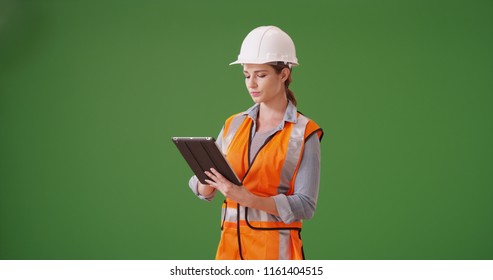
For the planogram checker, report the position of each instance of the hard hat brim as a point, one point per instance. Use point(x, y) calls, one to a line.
point(250, 61)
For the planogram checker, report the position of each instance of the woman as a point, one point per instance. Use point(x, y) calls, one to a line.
point(274, 150)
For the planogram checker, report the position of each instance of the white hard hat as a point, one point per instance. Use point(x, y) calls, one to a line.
point(267, 44)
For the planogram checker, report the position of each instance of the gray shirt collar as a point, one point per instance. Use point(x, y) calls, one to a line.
point(289, 116)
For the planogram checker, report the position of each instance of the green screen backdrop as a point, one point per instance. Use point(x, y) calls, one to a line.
point(92, 91)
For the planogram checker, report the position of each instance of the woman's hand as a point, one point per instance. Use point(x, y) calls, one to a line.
point(204, 190)
point(240, 194)
point(234, 192)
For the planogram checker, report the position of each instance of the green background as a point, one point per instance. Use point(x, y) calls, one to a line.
point(92, 91)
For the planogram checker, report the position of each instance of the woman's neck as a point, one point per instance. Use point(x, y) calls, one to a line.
point(271, 114)
point(274, 107)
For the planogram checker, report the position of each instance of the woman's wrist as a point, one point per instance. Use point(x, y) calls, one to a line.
point(204, 190)
point(266, 204)
point(250, 199)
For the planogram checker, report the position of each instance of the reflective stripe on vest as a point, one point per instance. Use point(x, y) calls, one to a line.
point(230, 214)
point(231, 131)
point(293, 154)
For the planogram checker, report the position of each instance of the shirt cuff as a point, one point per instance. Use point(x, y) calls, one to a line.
point(283, 208)
point(193, 184)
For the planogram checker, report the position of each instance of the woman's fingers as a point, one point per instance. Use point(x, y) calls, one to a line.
point(216, 173)
point(211, 176)
point(216, 186)
point(219, 176)
point(211, 183)
point(219, 182)
point(215, 176)
point(214, 180)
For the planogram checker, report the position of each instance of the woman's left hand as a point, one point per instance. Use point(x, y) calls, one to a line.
point(234, 192)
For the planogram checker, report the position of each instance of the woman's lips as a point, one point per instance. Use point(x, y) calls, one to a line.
point(255, 93)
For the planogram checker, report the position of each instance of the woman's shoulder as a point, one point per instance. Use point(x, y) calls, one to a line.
point(311, 127)
point(309, 120)
point(241, 115)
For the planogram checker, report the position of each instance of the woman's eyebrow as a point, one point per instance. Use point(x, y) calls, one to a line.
point(256, 71)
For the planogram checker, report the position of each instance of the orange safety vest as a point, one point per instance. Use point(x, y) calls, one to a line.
point(248, 233)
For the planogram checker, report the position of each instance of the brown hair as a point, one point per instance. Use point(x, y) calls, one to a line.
point(278, 66)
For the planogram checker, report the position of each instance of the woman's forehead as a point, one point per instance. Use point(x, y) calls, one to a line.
point(256, 67)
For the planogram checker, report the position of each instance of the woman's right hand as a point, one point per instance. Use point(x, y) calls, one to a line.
point(203, 189)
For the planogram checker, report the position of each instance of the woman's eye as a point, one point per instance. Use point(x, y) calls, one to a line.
point(247, 77)
point(261, 76)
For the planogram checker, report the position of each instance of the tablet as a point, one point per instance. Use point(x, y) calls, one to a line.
point(201, 154)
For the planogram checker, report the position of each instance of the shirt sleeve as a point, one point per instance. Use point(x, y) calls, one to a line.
point(301, 204)
point(193, 182)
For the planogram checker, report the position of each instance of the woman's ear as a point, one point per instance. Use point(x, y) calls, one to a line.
point(285, 74)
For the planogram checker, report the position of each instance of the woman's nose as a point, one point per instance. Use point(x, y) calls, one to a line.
point(251, 83)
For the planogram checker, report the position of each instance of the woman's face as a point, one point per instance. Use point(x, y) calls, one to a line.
point(263, 83)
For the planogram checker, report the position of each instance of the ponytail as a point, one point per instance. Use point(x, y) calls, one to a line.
point(289, 92)
point(291, 96)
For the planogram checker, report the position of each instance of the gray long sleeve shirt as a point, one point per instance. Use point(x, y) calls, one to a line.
point(301, 204)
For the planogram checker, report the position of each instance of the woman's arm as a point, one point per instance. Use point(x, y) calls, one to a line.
point(302, 203)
